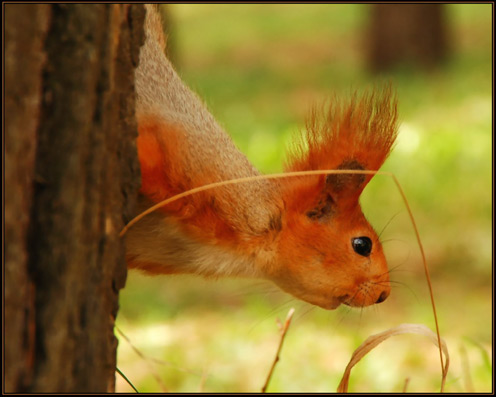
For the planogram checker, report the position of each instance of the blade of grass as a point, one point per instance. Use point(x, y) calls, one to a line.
point(374, 340)
point(138, 352)
point(284, 330)
point(126, 379)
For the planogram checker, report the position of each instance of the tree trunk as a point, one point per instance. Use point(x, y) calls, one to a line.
point(406, 34)
point(71, 177)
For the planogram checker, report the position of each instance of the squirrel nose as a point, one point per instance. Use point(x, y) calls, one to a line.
point(382, 297)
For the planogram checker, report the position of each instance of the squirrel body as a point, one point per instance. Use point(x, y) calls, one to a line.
point(306, 234)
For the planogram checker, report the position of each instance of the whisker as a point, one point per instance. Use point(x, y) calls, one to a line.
point(361, 314)
point(271, 313)
point(256, 288)
point(309, 310)
point(346, 310)
point(392, 239)
point(394, 268)
point(397, 270)
point(399, 283)
point(388, 222)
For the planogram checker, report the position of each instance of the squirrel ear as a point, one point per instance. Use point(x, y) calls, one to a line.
point(346, 185)
point(338, 190)
point(324, 208)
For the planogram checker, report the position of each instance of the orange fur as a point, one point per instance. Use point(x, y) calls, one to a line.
point(161, 154)
point(151, 267)
point(364, 130)
point(305, 234)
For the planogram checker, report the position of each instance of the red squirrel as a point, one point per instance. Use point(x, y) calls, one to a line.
point(308, 234)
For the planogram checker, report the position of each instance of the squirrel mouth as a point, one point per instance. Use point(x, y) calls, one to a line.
point(354, 301)
point(344, 299)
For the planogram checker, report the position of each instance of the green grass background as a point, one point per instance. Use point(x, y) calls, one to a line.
point(260, 68)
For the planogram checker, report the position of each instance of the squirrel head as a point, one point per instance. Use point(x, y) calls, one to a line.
point(329, 253)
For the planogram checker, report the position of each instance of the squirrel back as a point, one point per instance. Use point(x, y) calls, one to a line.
point(306, 234)
point(172, 117)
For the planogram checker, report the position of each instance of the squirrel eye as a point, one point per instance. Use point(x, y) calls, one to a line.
point(362, 245)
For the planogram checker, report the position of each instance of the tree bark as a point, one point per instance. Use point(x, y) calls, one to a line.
point(407, 34)
point(71, 177)
point(25, 29)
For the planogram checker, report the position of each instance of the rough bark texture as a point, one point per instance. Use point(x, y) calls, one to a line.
point(25, 28)
point(407, 34)
point(71, 180)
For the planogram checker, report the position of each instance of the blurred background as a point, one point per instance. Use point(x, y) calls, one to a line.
point(260, 69)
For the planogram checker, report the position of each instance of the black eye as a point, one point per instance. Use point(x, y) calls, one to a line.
point(362, 245)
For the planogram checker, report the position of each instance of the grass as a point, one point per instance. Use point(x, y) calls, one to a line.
point(260, 68)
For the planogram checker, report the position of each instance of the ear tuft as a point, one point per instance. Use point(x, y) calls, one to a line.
point(357, 135)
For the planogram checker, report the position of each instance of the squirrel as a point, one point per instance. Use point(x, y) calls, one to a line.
point(308, 234)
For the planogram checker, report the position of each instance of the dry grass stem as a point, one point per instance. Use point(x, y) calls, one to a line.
point(374, 340)
point(240, 180)
point(283, 330)
point(150, 367)
point(469, 385)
